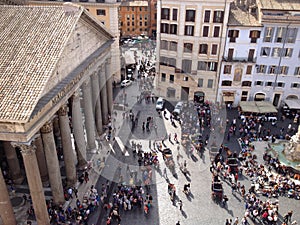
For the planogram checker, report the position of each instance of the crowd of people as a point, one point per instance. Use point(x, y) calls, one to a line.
point(77, 215)
point(269, 179)
point(128, 198)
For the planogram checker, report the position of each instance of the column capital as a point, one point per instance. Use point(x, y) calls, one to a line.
point(94, 76)
point(47, 127)
point(27, 148)
point(102, 68)
point(86, 83)
point(108, 61)
point(63, 111)
point(76, 95)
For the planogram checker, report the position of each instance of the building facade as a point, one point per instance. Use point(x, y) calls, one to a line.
point(134, 18)
point(240, 54)
point(190, 41)
point(51, 54)
point(152, 5)
point(277, 73)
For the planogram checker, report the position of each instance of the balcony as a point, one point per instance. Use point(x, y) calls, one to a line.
point(239, 59)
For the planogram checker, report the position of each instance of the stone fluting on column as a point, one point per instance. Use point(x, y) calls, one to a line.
point(103, 95)
point(88, 114)
point(78, 130)
point(34, 182)
point(52, 163)
point(13, 163)
point(40, 155)
point(69, 158)
point(6, 210)
point(96, 103)
point(109, 80)
point(56, 129)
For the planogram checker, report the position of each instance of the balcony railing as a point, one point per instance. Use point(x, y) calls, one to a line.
point(240, 59)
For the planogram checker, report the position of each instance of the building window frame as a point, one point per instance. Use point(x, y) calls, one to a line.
point(174, 14)
point(189, 30)
point(227, 69)
point(268, 34)
point(210, 83)
point(214, 49)
point(190, 15)
point(163, 77)
point(200, 82)
point(101, 12)
point(203, 48)
point(165, 13)
point(205, 31)
point(188, 47)
point(206, 16)
point(218, 16)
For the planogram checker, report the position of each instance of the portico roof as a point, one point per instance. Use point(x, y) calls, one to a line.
point(32, 39)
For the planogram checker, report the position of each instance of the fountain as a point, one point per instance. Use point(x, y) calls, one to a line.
point(288, 152)
point(292, 150)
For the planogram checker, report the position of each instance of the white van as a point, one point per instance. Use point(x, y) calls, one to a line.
point(160, 103)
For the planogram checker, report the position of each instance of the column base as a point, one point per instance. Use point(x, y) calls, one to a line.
point(81, 165)
point(71, 183)
point(46, 183)
point(92, 151)
point(19, 179)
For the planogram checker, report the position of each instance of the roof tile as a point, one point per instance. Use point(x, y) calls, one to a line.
point(31, 41)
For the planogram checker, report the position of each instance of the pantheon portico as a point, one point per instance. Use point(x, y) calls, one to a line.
point(50, 58)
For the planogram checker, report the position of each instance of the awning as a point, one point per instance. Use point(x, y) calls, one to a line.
point(293, 103)
point(249, 107)
point(228, 98)
point(260, 96)
point(258, 107)
point(199, 94)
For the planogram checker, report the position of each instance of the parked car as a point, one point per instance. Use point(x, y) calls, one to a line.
point(178, 108)
point(126, 83)
point(130, 74)
point(160, 103)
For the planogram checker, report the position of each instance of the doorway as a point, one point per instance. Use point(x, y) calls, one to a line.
point(185, 93)
point(276, 99)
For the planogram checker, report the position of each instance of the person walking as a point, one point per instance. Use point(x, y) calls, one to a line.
point(290, 214)
point(228, 222)
point(86, 176)
point(180, 205)
point(165, 175)
point(236, 221)
point(75, 192)
point(175, 138)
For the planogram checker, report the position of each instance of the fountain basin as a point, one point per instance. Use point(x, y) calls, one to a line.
point(277, 150)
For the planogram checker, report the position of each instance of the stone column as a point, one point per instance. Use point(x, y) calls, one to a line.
point(40, 155)
point(13, 163)
point(52, 163)
point(88, 114)
point(56, 129)
point(6, 210)
point(109, 80)
point(34, 182)
point(96, 103)
point(103, 95)
point(69, 159)
point(78, 130)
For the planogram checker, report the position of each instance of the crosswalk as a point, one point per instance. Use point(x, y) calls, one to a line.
point(122, 147)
